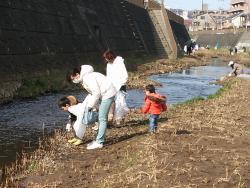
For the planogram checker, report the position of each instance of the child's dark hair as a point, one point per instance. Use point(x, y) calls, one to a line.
point(109, 55)
point(150, 88)
point(74, 71)
point(63, 102)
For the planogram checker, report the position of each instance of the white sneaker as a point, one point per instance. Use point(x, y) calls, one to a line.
point(90, 143)
point(94, 145)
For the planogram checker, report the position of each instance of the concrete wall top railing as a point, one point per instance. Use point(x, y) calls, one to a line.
point(152, 4)
point(175, 17)
point(139, 3)
point(240, 30)
point(156, 5)
point(224, 40)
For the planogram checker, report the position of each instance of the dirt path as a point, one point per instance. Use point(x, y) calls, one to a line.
point(203, 144)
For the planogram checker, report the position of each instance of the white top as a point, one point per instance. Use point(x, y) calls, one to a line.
point(78, 111)
point(117, 72)
point(98, 86)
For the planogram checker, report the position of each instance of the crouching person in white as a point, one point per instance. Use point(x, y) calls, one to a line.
point(76, 111)
point(99, 88)
point(237, 69)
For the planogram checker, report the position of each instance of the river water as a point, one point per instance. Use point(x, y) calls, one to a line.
point(23, 122)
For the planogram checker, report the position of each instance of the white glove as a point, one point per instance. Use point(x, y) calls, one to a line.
point(229, 74)
point(68, 127)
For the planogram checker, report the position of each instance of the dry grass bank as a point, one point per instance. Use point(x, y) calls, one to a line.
point(242, 58)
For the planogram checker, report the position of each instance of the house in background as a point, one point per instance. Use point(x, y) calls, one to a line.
point(240, 8)
point(234, 21)
point(204, 22)
point(208, 20)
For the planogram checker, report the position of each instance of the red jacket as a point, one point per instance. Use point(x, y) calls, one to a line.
point(154, 104)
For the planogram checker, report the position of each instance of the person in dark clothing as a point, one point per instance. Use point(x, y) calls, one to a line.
point(231, 51)
point(235, 50)
point(189, 49)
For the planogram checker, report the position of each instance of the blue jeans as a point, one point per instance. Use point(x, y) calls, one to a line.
point(153, 122)
point(103, 119)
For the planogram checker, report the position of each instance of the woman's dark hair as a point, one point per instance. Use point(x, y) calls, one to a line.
point(63, 102)
point(150, 88)
point(73, 73)
point(109, 55)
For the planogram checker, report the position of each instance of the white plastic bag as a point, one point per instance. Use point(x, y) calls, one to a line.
point(79, 129)
point(78, 111)
point(121, 108)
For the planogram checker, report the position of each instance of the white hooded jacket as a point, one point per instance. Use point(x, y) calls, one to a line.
point(117, 73)
point(96, 84)
point(78, 110)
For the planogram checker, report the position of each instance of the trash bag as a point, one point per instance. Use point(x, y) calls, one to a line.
point(84, 117)
point(121, 108)
point(79, 129)
point(89, 117)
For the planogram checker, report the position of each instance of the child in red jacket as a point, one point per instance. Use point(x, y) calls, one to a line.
point(154, 104)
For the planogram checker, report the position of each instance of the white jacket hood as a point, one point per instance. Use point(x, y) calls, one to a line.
point(119, 59)
point(86, 69)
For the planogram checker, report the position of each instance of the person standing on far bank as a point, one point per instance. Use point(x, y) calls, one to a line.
point(116, 72)
point(99, 88)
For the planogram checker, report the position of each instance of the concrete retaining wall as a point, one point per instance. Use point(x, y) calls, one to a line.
point(225, 40)
point(39, 36)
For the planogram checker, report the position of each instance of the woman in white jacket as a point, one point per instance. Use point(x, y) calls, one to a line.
point(116, 72)
point(100, 88)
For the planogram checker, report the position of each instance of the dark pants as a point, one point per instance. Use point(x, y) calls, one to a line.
point(153, 122)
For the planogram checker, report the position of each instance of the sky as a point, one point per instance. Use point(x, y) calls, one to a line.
point(196, 4)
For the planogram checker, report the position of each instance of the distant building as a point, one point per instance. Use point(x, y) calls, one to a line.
point(234, 21)
point(208, 20)
point(241, 10)
point(188, 24)
point(204, 22)
point(240, 6)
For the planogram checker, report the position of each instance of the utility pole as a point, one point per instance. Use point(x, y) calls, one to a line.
point(247, 14)
point(221, 9)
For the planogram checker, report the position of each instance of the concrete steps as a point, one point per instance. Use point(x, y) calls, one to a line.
point(134, 27)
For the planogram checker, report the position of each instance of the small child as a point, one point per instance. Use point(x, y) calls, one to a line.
point(72, 117)
point(76, 111)
point(154, 104)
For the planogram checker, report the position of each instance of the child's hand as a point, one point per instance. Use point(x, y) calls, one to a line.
point(68, 127)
